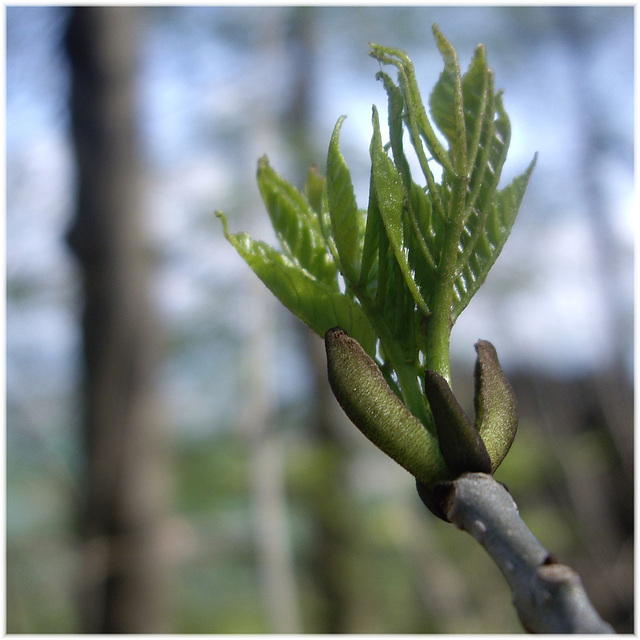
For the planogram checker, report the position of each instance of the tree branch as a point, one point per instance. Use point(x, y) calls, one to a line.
point(549, 597)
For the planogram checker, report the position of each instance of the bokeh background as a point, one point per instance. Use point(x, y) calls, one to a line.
point(269, 512)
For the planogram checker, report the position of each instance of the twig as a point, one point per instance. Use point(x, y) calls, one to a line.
point(548, 596)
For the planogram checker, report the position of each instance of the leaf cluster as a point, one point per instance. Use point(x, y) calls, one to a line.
point(397, 276)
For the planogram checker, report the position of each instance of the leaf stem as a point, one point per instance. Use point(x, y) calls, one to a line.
point(440, 322)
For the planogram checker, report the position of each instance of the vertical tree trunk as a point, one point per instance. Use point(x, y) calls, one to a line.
point(273, 536)
point(121, 586)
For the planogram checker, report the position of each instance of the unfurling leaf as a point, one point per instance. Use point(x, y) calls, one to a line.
point(346, 221)
point(446, 104)
point(296, 225)
point(389, 191)
point(317, 304)
point(484, 236)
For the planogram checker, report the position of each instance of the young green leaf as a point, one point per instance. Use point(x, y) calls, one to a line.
point(446, 104)
point(396, 126)
point(418, 232)
point(485, 174)
point(368, 278)
point(314, 302)
point(423, 250)
point(417, 120)
point(477, 93)
point(490, 239)
point(389, 191)
point(296, 225)
point(346, 221)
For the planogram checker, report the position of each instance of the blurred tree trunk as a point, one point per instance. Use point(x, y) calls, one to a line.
point(273, 537)
point(121, 585)
point(260, 420)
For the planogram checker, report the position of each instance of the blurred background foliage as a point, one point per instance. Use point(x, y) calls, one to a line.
point(281, 517)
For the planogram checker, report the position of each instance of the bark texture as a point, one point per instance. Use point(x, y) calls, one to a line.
point(122, 574)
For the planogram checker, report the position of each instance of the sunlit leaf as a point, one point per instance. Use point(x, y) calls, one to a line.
point(396, 126)
point(477, 98)
point(343, 209)
point(446, 104)
point(491, 239)
point(423, 238)
point(315, 303)
point(417, 120)
point(296, 224)
point(369, 271)
point(390, 195)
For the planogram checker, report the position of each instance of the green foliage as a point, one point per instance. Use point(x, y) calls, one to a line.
point(397, 277)
point(414, 261)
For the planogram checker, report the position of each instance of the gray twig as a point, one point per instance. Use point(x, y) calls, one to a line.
point(549, 597)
